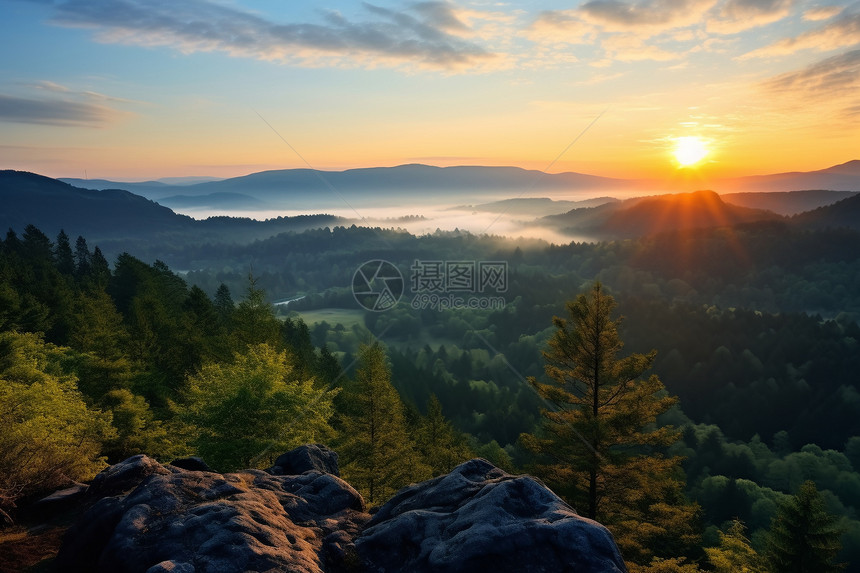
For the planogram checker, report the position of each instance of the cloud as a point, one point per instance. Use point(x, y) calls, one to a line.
point(45, 85)
point(829, 77)
point(821, 13)
point(840, 32)
point(740, 15)
point(834, 80)
point(428, 34)
point(658, 14)
point(560, 27)
point(631, 48)
point(61, 112)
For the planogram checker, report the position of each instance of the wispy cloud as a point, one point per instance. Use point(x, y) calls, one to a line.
point(842, 31)
point(54, 111)
point(834, 80)
point(657, 30)
point(821, 13)
point(739, 15)
point(656, 14)
point(829, 77)
point(427, 34)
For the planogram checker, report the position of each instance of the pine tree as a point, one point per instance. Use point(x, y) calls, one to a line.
point(441, 446)
point(83, 265)
point(599, 445)
point(803, 536)
point(735, 554)
point(254, 320)
point(63, 256)
point(380, 456)
point(224, 304)
point(100, 269)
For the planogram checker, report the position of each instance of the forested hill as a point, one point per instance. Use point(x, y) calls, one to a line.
point(845, 213)
point(30, 198)
point(651, 215)
point(121, 220)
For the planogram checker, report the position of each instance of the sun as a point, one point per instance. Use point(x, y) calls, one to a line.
point(689, 150)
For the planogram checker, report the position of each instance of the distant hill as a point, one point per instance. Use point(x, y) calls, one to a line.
point(844, 214)
point(649, 215)
point(843, 177)
point(149, 189)
point(52, 205)
point(378, 186)
point(119, 218)
point(790, 203)
point(307, 189)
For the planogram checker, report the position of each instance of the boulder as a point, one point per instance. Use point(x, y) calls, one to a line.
point(177, 520)
point(125, 475)
point(479, 518)
point(144, 517)
point(192, 464)
point(310, 457)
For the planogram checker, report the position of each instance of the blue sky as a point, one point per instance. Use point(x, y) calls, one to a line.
point(141, 89)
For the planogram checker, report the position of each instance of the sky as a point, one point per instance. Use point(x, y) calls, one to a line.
point(143, 89)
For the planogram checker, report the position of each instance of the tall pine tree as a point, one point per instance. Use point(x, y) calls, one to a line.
point(803, 536)
point(380, 456)
point(599, 445)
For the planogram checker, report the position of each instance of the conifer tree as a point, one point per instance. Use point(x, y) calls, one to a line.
point(599, 446)
point(735, 554)
point(254, 320)
point(804, 537)
point(83, 265)
point(224, 304)
point(442, 447)
point(380, 456)
point(63, 256)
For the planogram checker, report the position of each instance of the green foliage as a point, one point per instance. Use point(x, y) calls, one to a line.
point(804, 537)
point(379, 456)
point(138, 431)
point(599, 444)
point(735, 554)
point(254, 320)
point(441, 446)
point(48, 435)
point(243, 411)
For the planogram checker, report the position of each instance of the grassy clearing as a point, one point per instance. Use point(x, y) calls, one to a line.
point(345, 316)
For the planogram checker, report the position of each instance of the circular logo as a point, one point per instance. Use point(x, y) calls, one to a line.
point(377, 285)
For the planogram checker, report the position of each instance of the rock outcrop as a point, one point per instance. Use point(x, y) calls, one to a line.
point(178, 520)
point(146, 517)
point(306, 458)
point(479, 518)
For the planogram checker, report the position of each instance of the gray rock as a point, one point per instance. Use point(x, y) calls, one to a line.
point(149, 518)
point(479, 518)
point(306, 458)
point(125, 475)
point(209, 522)
point(192, 464)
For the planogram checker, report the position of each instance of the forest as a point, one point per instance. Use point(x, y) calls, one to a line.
point(743, 340)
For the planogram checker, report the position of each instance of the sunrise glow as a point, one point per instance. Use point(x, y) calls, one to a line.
point(689, 151)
